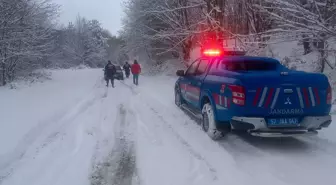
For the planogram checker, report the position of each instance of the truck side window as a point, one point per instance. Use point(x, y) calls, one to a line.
point(223, 65)
point(202, 67)
point(231, 66)
point(192, 69)
point(250, 65)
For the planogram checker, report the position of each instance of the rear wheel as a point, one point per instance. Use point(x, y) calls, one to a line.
point(209, 123)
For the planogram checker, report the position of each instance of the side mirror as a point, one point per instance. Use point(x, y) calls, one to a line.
point(180, 73)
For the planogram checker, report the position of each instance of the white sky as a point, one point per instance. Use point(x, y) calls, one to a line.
point(107, 12)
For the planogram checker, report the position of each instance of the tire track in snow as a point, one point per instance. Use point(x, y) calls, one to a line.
point(195, 155)
point(197, 169)
point(196, 166)
point(10, 161)
point(68, 120)
point(59, 128)
point(211, 165)
point(281, 161)
point(98, 129)
point(119, 168)
point(237, 144)
point(239, 149)
point(186, 145)
point(134, 89)
point(149, 135)
point(245, 155)
point(273, 155)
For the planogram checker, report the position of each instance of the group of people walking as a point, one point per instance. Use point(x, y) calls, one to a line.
point(110, 70)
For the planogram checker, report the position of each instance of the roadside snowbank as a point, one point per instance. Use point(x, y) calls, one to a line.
point(168, 67)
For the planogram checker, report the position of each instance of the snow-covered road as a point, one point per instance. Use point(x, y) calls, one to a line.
point(74, 131)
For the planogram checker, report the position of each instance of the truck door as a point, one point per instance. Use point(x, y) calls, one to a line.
point(195, 80)
point(186, 84)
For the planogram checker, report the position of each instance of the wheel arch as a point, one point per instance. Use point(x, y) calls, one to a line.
point(177, 85)
point(206, 97)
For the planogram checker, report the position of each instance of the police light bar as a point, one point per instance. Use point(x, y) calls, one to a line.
point(217, 52)
point(212, 52)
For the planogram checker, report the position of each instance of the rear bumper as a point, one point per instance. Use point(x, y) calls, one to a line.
point(118, 75)
point(258, 126)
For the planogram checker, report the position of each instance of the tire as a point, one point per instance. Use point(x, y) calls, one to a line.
point(178, 98)
point(209, 123)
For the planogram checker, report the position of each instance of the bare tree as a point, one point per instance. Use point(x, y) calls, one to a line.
point(311, 21)
point(83, 43)
point(25, 35)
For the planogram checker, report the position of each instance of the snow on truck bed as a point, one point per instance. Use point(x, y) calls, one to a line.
point(72, 130)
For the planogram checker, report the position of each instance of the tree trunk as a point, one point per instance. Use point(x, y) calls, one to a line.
point(322, 61)
point(306, 44)
point(323, 56)
point(3, 73)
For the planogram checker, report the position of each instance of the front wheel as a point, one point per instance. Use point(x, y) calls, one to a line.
point(209, 122)
point(178, 100)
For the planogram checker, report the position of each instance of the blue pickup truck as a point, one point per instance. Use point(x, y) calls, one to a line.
point(254, 94)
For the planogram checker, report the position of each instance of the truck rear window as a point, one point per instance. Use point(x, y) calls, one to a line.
point(253, 65)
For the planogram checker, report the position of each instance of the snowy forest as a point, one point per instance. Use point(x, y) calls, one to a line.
point(31, 39)
point(300, 33)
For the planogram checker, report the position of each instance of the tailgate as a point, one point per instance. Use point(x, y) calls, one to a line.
point(295, 94)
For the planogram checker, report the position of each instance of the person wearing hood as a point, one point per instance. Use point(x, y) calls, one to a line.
point(127, 69)
point(110, 71)
point(136, 70)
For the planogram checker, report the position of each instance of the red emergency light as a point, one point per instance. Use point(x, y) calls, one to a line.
point(212, 52)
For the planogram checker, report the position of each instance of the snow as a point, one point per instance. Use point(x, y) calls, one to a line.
point(73, 130)
point(47, 120)
point(168, 67)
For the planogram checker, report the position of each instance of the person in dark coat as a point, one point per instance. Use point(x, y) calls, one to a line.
point(136, 70)
point(110, 71)
point(127, 69)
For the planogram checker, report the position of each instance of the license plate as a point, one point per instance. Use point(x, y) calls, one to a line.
point(283, 122)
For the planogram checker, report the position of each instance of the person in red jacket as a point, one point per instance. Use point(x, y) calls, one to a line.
point(136, 70)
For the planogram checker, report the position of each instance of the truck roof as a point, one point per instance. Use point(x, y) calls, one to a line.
point(248, 58)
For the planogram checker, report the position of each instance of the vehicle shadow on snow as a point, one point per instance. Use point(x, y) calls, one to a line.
point(237, 141)
point(192, 117)
point(277, 145)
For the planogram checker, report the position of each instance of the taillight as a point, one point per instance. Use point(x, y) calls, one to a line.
point(238, 94)
point(329, 95)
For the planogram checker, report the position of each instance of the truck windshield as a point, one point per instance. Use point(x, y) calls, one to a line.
point(252, 65)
